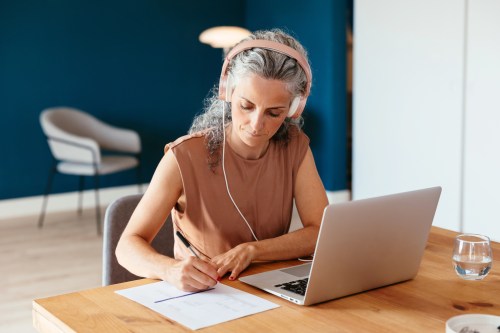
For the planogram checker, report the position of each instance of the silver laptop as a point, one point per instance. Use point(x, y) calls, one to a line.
point(362, 244)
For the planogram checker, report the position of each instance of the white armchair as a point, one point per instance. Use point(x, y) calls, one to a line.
point(77, 140)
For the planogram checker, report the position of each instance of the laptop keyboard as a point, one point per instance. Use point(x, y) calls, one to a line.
point(297, 286)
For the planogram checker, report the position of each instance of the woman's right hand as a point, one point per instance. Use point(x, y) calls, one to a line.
point(192, 274)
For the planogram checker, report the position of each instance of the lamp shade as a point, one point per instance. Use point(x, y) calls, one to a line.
point(223, 36)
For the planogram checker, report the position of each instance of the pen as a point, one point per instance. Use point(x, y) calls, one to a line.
point(186, 243)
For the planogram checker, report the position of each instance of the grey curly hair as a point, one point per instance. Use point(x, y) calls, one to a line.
point(265, 63)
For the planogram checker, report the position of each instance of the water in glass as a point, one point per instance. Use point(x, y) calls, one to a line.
point(472, 257)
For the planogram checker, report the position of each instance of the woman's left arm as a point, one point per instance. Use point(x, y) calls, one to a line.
point(310, 200)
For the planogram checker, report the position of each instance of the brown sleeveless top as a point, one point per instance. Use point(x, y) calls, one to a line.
point(262, 189)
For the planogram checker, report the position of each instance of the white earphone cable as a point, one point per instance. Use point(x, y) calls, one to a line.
point(224, 170)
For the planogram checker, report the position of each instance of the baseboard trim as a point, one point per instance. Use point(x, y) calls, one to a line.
point(338, 196)
point(12, 208)
point(333, 196)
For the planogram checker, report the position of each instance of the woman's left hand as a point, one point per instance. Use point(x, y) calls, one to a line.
point(234, 260)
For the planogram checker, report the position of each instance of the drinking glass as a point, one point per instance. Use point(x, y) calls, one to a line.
point(472, 256)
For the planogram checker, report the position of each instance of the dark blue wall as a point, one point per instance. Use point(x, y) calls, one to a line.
point(139, 64)
point(321, 27)
point(136, 64)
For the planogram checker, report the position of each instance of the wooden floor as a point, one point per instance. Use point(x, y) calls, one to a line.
point(63, 256)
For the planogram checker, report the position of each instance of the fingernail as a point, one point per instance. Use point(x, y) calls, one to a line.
point(231, 278)
point(219, 278)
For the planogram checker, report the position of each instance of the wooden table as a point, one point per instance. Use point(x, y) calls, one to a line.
point(420, 305)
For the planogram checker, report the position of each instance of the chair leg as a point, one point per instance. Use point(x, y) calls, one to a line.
point(46, 195)
point(80, 195)
point(97, 205)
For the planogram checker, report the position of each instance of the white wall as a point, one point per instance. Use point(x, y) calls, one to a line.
point(427, 105)
point(408, 73)
point(482, 125)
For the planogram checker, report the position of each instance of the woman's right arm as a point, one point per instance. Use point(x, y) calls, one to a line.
point(134, 250)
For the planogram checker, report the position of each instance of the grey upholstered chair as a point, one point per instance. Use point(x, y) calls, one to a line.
point(76, 140)
point(116, 218)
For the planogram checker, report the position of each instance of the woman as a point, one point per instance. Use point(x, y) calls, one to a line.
point(230, 184)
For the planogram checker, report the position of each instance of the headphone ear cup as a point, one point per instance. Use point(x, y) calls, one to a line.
point(293, 106)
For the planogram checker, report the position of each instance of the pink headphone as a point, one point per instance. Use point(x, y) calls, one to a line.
point(226, 86)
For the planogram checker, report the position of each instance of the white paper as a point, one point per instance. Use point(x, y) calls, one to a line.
point(197, 310)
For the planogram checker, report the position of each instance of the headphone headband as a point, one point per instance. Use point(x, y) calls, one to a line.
point(273, 46)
